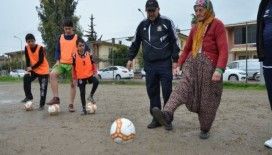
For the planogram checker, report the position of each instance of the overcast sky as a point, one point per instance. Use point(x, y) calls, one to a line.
point(113, 18)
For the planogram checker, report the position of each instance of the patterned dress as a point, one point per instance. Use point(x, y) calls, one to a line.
point(197, 91)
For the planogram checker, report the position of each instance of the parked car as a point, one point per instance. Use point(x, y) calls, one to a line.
point(116, 72)
point(234, 75)
point(253, 67)
point(143, 73)
point(17, 73)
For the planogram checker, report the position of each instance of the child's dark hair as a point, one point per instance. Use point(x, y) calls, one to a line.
point(29, 36)
point(80, 40)
point(68, 23)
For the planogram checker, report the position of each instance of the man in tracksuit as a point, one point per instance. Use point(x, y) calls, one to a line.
point(264, 47)
point(160, 44)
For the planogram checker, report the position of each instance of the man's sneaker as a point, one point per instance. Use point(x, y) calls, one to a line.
point(71, 108)
point(204, 135)
point(153, 124)
point(54, 100)
point(91, 99)
point(163, 118)
point(268, 143)
point(41, 108)
point(25, 100)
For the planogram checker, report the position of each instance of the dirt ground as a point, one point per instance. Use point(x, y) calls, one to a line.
point(242, 125)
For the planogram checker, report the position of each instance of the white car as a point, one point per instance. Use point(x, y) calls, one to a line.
point(234, 75)
point(17, 73)
point(252, 67)
point(115, 72)
point(143, 73)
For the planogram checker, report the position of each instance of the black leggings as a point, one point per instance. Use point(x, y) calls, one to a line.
point(82, 88)
point(43, 80)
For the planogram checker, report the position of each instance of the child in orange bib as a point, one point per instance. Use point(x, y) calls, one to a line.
point(37, 67)
point(84, 71)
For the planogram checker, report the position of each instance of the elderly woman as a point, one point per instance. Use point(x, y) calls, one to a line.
point(203, 62)
point(264, 47)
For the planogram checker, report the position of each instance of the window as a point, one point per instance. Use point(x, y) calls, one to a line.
point(233, 65)
point(106, 69)
point(251, 34)
point(113, 69)
point(241, 57)
point(240, 34)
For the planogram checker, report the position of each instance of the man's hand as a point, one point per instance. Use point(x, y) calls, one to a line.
point(129, 65)
point(216, 76)
point(175, 69)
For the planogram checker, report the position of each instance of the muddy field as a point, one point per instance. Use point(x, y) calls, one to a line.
point(242, 125)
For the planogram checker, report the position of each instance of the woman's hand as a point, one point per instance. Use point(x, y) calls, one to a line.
point(216, 76)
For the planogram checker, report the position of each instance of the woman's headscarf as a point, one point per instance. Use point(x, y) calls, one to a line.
point(201, 26)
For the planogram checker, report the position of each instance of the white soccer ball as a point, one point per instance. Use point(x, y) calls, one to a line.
point(54, 109)
point(122, 131)
point(28, 106)
point(91, 108)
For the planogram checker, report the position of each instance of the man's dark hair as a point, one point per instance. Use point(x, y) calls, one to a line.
point(29, 36)
point(68, 23)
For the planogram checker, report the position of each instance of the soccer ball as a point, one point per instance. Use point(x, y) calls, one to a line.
point(122, 131)
point(91, 108)
point(54, 109)
point(28, 106)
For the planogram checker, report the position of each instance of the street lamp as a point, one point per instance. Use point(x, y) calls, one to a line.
point(21, 41)
point(141, 12)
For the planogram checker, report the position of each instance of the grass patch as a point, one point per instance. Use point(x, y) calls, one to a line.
point(227, 85)
point(123, 82)
point(9, 79)
point(247, 86)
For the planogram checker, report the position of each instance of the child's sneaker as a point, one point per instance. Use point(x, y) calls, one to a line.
point(54, 100)
point(91, 99)
point(84, 112)
point(25, 100)
point(41, 108)
point(71, 108)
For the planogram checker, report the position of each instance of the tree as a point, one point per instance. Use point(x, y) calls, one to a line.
point(52, 13)
point(140, 58)
point(91, 34)
point(118, 57)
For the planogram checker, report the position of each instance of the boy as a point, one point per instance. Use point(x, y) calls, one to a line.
point(84, 70)
point(66, 46)
point(37, 67)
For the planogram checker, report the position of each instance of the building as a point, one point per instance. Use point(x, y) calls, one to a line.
point(102, 51)
point(3, 60)
point(242, 40)
point(16, 57)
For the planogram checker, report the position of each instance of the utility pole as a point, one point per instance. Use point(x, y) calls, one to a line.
point(112, 56)
point(246, 52)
